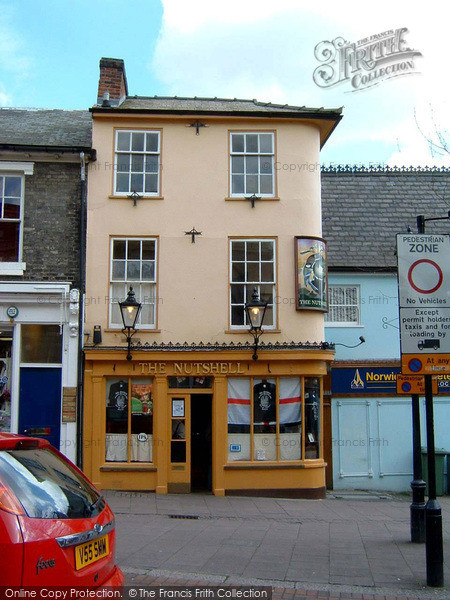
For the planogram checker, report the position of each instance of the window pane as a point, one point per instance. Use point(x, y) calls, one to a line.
point(251, 164)
point(266, 250)
point(238, 419)
point(312, 417)
point(141, 420)
point(123, 163)
point(252, 250)
point(266, 293)
point(152, 142)
point(237, 315)
point(147, 315)
point(116, 439)
point(133, 270)
point(251, 182)
point(264, 419)
point(238, 250)
point(238, 272)
point(268, 317)
point(237, 184)
point(41, 344)
point(118, 269)
point(265, 165)
point(151, 184)
point(253, 272)
point(267, 273)
point(178, 452)
point(122, 182)
point(13, 186)
point(119, 249)
point(251, 142)
point(137, 163)
point(237, 142)
point(290, 412)
point(148, 250)
point(151, 163)
point(11, 208)
point(137, 141)
point(237, 164)
point(266, 183)
point(237, 294)
point(134, 249)
point(148, 270)
point(123, 140)
point(137, 183)
point(266, 142)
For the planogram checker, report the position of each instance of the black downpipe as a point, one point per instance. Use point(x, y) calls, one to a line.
point(82, 278)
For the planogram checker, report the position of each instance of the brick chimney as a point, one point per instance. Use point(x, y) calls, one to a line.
point(112, 80)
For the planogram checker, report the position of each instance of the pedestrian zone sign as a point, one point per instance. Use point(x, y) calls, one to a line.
point(424, 302)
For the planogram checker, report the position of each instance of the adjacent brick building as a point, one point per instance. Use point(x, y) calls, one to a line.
point(43, 157)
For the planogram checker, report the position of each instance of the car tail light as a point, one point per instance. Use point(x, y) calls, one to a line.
point(8, 501)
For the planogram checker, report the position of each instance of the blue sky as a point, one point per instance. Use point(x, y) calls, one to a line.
point(49, 54)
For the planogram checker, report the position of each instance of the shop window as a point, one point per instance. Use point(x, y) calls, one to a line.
point(178, 431)
point(312, 417)
point(41, 344)
point(252, 164)
point(264, 419)
point(133, 263)
point(129, 425)
point(253, 265)
point(5, 380)
point(137, 163)
point(191, 382)
point(344, 306)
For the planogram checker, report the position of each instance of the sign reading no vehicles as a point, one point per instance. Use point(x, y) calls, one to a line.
point(424, 302)
point(423, 270)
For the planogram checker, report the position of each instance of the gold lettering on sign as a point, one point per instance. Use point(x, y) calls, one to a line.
point(191, 368)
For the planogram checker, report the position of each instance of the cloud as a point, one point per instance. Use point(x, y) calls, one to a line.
point(15, 63)
point(265, 50)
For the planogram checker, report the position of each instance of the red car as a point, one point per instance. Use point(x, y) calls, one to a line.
point(55, 527)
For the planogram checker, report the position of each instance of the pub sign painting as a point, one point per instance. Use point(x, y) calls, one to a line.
point(310, 274)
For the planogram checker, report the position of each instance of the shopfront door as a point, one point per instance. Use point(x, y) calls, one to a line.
point(180, 444)
point(201, 442)
point(190, 443)
point(40, 403)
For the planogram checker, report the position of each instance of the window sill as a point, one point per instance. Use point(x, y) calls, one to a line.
point(119, 330)
point(127, 467)
point(241, 331)
point(337, 325)
point(12, 268)
point(125, 197)
point(307, 464)
point(247, 199)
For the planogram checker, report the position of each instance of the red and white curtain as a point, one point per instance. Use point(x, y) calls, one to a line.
point(239, 394)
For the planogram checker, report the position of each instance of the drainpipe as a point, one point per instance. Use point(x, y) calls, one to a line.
point(82, 284)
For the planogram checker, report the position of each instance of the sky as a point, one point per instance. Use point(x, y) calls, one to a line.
point(263, 49)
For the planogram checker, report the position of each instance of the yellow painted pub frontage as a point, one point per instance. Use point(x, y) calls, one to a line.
point(207, 214)
point(175, 421)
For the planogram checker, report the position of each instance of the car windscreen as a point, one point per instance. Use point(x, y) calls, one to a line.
point(47, 486)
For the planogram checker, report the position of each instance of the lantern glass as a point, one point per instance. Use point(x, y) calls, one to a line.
point(255, 311)
point(130, 309)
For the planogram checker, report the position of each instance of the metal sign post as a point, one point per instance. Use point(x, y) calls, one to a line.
point(424, 306)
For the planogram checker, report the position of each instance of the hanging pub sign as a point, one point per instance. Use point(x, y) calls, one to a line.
point(310, 274)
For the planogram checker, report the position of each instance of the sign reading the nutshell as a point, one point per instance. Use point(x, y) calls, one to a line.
point(193, 368)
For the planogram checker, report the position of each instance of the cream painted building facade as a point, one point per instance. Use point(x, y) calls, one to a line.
point(192, 409)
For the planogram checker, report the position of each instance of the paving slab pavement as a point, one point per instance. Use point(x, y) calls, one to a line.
point(346, 544)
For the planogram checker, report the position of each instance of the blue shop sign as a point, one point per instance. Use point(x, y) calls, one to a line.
point(363, 380)
point(373, 381)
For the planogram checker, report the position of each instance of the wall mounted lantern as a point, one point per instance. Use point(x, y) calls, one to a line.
point(256, 310)
point(129, 309)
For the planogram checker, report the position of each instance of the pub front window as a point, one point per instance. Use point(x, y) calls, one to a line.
point(129, 425)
